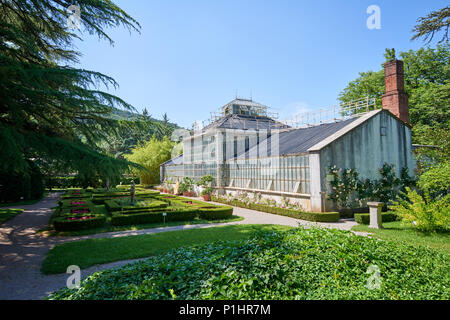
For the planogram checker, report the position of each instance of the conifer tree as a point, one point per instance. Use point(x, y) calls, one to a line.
point(48, 108)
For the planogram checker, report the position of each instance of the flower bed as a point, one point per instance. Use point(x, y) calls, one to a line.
point(297, 214)
point(78, 222)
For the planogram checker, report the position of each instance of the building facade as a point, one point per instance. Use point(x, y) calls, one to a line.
point(246, 149)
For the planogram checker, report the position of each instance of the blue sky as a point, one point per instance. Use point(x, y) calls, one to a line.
point(193, 56)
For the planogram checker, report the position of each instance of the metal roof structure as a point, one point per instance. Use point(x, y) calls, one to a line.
point(300, 140)
point(245, 122)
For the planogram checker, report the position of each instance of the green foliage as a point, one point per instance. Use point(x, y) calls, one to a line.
point(205, 182)
point(349, 191)
point(364, 218)
point(15, 186)
point(300, 264)
point(63, 223)
point(423, 213)
point(151, 155)
point(297, 214)
point(343, 184)
point(433, 23)
point(215, 213)
point(389, 54)
point(436, 148)
point(49, 110)
point(436, 181)
point(187, 185)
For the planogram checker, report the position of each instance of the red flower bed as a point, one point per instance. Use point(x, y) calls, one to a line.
point(80, 218)
point(78, 202)
point(79, 210)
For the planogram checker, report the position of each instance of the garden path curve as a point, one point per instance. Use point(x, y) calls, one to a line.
point(22, 249)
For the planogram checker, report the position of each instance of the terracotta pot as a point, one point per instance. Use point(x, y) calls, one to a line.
point(206, 197)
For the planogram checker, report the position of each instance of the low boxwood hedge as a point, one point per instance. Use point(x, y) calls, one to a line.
point(123, 219)
point(62, 223)
point(309, 216)
point(364, 218)
point(129, 218)
point(114, 205)
point(215, 213)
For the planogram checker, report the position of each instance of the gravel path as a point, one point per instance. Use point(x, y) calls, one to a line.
point(22, 250)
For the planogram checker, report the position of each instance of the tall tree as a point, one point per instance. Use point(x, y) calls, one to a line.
point(433, 23)
point(49, 109)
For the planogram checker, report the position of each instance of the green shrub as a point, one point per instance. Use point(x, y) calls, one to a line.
point(215, 213)
point(62, 222)
point(364, 218)
point(423, 213)
point(118, 205)
point(182, 215)
point(123, 219)
point(310, 216)
point(436, 181)
point(15, 187)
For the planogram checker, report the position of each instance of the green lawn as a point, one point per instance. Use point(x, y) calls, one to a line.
point(7, 214)
point(397, 231)
point(110, 228)
point(90, 252)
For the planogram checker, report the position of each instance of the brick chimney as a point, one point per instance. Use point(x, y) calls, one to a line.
point(395, 99)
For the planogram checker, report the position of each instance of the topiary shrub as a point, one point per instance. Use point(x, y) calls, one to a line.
point(78, 222)
point(215, 213)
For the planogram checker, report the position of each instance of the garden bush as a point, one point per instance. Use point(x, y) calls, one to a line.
point(15, 187)
point(215, 213)
point(423, 213)
point(121, 205)
point(123, 219)
point(364, 218)
point(130, 218)
point(300, 264)
point(64, 222)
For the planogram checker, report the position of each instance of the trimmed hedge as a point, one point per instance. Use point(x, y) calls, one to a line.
point(309, 216)
point(121, 219)
point(61, 223)
point(215, 213)
point(364, 218)
point(112, 205)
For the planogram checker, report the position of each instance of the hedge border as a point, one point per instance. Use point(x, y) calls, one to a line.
point(302, 215)
point(60, 223)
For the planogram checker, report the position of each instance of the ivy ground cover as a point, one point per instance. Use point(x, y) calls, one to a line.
point(297, 263)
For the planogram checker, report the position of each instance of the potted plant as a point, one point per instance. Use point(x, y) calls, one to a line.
point(206, 193)
point(187, 187)
point(205, 183)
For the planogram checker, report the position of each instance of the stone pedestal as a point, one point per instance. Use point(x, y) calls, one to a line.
point(375, 214)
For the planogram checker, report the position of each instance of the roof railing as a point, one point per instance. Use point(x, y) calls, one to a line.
point(341, 112)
